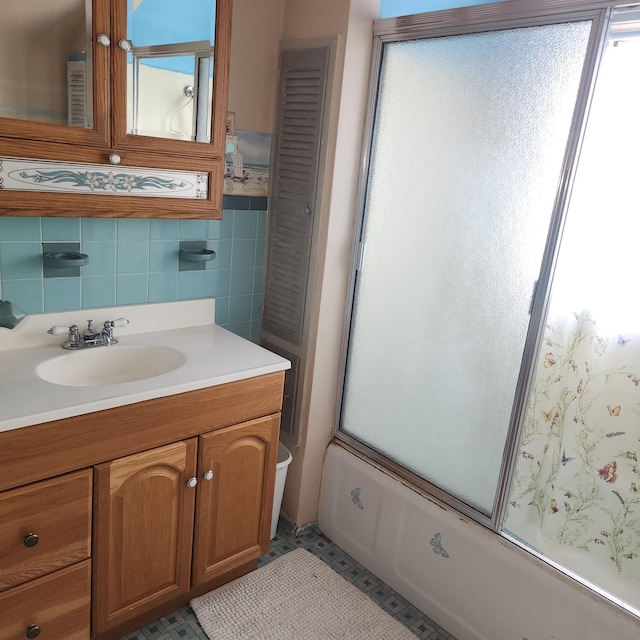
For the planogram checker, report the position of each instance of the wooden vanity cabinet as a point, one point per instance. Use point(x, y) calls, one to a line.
point(156, 541)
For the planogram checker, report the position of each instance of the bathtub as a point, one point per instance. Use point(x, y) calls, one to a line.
point(469, 580)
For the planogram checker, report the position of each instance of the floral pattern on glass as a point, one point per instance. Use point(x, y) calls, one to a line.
point(577, 476)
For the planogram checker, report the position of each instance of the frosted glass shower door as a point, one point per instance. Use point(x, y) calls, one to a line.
point(574, 496)
point(468, 142)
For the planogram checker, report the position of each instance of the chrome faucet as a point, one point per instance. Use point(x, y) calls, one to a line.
point(107, 331)
point(90, 337)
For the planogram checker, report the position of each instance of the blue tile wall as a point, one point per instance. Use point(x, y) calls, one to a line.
point(135, 261)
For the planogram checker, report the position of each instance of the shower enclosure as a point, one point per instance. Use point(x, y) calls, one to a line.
point(575, 495)
point(492, 350)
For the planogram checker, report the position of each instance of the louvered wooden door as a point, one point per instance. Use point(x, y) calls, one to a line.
point(294, 181)
point(295, 174)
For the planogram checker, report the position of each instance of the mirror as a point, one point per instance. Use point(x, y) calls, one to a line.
point(49, 77)
point(170, 68)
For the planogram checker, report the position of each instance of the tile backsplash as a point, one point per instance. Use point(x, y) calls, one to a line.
point(135, 261)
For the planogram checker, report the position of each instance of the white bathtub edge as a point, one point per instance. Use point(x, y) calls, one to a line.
point(483, 590)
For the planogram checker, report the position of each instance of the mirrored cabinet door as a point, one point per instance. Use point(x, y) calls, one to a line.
point(170, 68)
point(54, 70)
point(145, 75)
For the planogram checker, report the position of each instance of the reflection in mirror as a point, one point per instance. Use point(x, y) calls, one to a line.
point(49, 78)
point(170, 68)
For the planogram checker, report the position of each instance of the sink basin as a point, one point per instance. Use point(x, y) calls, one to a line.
point(100, 366)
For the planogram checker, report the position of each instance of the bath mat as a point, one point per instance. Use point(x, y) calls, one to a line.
point(295, 597)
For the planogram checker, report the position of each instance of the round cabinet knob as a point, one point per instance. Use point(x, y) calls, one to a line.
point(104, 40)
point(192, 482)
point(33, 631)
point(115, 158)
point(31, 540)
point(208, 475)
point(125, 45)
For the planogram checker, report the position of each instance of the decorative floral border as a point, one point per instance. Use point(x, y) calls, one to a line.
point(38, 175)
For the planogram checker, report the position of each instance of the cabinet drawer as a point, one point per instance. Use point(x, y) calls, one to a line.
point(59, 604)
point(44, 526)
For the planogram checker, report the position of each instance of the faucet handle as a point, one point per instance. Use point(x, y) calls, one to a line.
point(58, 329)
point(107, 331)
point(73, 331)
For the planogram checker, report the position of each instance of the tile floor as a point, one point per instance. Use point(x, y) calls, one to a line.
point(182, 624)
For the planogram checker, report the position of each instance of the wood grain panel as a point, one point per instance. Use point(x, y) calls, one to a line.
point(143, 532)
point(58, 603)
point(58, 511)
point(233, 517)
point(33, 203)
point(40, 451)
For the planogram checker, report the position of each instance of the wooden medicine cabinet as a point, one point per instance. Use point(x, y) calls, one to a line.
point(113, 107)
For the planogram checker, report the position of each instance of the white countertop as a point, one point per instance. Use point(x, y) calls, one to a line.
point(213, 356)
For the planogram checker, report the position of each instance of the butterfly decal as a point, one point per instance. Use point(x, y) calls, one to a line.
point(436, 543)
point(553, 506)
point(608, 472)
point(547, 415)
point(355, 498)
point(549, 360)
point(565, 459)
point(613, 411)
point(622, 341)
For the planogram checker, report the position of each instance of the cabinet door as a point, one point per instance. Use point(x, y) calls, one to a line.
point(233, 517)
point(143, 532)
point(54, 74)
point(170, 87)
